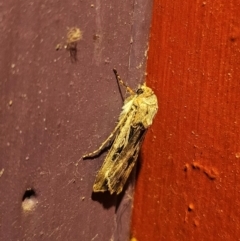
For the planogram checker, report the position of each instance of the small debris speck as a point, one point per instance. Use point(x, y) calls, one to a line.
point(237, 155)
point(190, 207)
point(1, 172)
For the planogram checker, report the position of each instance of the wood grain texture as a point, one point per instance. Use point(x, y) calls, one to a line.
point(189, 182)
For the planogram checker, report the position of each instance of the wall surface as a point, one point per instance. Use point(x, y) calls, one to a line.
point(53, 110)
point(188, 184)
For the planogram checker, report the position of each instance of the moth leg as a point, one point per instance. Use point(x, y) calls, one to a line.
point(104, 145)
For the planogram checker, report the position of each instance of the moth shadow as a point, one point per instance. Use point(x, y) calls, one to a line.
point(105, 198)
point(109, 200)
point(138, 167)
point(128, 190)
point(121, 196)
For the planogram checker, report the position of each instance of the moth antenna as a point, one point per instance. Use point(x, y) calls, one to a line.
point(122, 83)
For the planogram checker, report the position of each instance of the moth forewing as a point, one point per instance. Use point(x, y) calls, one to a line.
point(113, 167)
point(128, 158)
point(136, 116)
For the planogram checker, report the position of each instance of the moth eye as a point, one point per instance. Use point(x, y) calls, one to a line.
point(139, 91)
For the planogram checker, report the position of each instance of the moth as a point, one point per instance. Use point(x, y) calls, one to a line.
point(125, 141)
point(73, 36)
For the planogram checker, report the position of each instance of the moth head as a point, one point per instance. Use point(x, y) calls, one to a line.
point(143, 89)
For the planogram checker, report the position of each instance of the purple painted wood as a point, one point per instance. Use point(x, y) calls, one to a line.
point(52, 111)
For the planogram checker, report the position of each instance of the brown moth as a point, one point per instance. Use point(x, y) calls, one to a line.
point(125, 141)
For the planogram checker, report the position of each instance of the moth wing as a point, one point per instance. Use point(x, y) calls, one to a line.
point(117, 130)
point(117, 171)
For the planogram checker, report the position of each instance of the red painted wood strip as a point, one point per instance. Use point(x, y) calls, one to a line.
point(189, 182)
